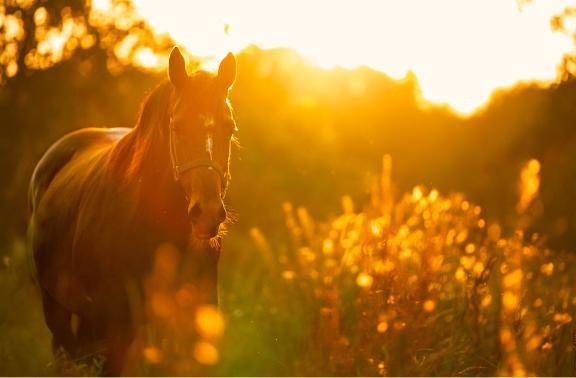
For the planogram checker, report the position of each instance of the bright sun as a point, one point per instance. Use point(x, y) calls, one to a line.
point(460, 50)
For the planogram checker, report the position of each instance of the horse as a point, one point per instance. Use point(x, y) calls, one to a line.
point(104, 200)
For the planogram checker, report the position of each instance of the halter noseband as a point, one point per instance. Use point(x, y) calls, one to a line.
point(179, 168)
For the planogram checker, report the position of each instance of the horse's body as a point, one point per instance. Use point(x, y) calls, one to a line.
point(103, 201)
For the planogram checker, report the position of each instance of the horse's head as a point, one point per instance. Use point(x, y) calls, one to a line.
point(201, 130)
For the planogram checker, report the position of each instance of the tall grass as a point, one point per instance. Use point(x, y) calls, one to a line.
point(412, 284)
point(421, 284)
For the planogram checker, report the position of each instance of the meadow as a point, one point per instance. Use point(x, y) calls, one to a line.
point(415, 283)
point(410, 284)
point(376, 233)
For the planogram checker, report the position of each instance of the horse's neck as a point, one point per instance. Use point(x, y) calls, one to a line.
point(147, 173)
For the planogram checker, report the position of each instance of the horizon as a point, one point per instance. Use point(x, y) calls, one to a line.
point(453, 68)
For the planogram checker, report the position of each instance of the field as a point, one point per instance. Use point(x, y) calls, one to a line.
point(412, 284)
point(401, 189)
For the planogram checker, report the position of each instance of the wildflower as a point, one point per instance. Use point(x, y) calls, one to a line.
point(209, 322)
point(382, 327)
point(347, 205)
point(562, 318)
point(510, 300)
point(429, 305)
point(478, 268)
point(375, 228)
point(486, 300)
point(385, 266)
point(494, 232)
point(205, 353)
point(328, 246)
point(288, 275)
point(405, 254)
point(399, 324)
point(152, 354)
point(462, 236)
point(534, 342)
point(513, 279)
point(460, 275)
point(537, 302)
point(364, 280)
point(417, 193)
point(547, 269)
point(467, 262)
point(529, 184)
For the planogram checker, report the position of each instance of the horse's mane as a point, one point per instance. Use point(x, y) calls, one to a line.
point(149, 132)
point(154, 107)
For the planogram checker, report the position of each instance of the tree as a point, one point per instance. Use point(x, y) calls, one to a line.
point(37, 34)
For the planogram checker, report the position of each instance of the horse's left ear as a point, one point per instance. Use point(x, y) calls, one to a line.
point(177, 69)
point(227, 71)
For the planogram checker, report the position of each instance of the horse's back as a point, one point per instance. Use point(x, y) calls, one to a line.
point(74, 240)
point(63, 151)
point(56, 191)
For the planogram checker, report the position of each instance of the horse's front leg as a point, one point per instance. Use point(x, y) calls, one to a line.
point(116, 356)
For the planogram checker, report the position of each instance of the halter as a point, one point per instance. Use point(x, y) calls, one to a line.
point(179, 168)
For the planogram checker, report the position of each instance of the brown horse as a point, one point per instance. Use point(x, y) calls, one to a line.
point(104, 200)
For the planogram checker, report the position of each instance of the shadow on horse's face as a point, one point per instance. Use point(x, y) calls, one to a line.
point(201, 130)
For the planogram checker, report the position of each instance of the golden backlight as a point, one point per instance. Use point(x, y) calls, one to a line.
point(460, 50)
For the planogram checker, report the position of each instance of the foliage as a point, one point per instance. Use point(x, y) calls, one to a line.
point(37, 34)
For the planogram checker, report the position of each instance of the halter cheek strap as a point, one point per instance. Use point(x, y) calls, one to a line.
point(180, 168)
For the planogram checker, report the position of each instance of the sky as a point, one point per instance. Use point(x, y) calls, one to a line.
point(460, 50)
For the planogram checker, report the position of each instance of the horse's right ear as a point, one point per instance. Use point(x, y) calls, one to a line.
point(177, 69)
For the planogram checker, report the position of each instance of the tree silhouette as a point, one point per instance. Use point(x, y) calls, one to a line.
point(37, 34)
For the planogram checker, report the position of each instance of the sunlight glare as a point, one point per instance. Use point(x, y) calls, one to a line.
point(101, 5)
point(460, 50)
point(145, 57)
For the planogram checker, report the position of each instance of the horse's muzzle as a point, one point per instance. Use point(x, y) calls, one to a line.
point(206, 218)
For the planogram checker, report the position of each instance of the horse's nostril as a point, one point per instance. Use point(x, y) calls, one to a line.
point(194, 211)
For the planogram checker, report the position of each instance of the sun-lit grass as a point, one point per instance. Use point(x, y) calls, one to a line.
point(412, 284)
point(421, 284)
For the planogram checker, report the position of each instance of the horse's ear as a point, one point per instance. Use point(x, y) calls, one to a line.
point(227, 71)
point(177, 69)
